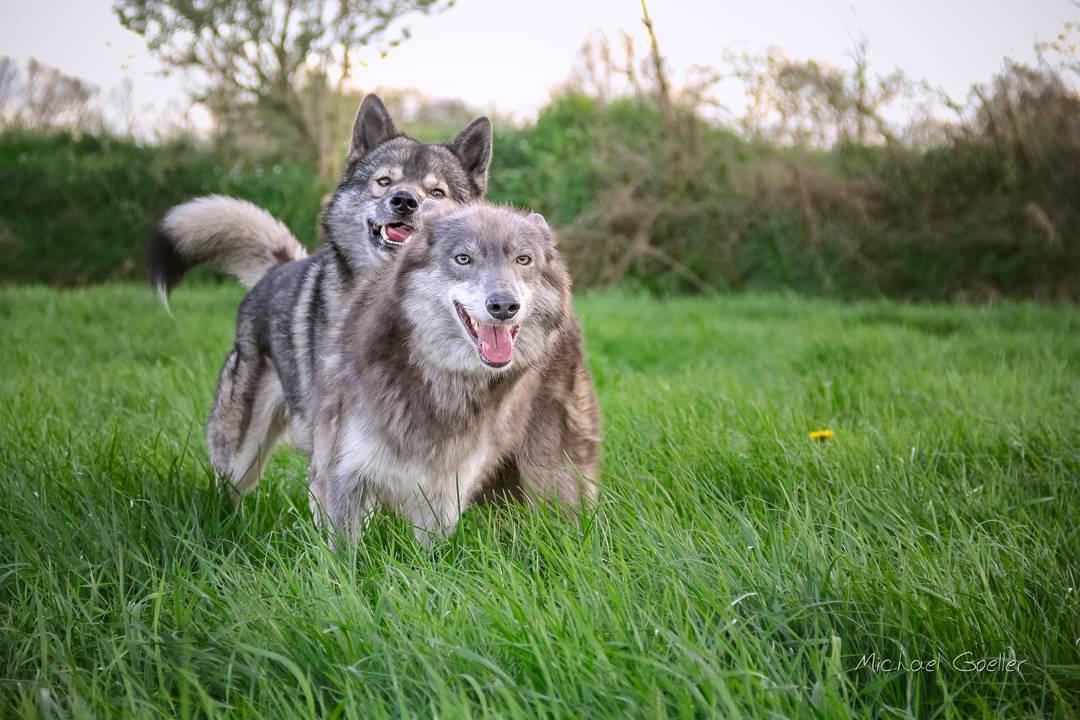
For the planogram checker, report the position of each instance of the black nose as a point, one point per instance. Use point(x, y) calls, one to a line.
point(404, 202)
point(502, 306)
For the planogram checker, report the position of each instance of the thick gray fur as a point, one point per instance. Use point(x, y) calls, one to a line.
point(410, 417)
point(266, 385)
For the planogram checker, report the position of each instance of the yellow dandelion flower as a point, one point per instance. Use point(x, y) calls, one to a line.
point(821, 435)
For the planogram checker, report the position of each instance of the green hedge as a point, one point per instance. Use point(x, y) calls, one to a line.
point(953, 221)
point(77, 210)
point(971, 219)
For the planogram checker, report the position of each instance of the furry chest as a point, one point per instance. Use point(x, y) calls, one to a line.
point(447, 472)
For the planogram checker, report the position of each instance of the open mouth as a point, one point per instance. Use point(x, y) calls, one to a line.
point(392, 235)
point(495, 342)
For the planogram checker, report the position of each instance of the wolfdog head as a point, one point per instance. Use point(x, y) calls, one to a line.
point(374, 210)
point(483, 288)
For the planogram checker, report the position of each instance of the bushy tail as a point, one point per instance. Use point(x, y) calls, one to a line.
point(234, 236)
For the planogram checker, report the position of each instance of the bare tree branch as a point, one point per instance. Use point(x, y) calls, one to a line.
point(265, 53)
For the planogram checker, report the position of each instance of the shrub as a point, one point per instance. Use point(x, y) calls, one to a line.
point(646, 193)
point(77, 209)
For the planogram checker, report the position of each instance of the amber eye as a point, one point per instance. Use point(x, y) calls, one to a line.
point(383, 182)
point(524, 260)
point(437, 193)
point(462, 259)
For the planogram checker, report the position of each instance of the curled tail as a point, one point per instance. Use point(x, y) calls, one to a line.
point(234, 236)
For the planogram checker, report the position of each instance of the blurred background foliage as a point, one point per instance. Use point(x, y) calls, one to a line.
point(811, 189)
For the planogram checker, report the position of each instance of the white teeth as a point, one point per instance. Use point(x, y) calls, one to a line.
point(382, 232)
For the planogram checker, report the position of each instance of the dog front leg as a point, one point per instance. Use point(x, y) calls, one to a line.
point(342, 495)
point(343, 502)
point(551, 474)
point(560, 457)
point(433, 517)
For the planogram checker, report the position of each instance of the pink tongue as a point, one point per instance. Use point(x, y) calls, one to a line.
point(495, 344)
point(398, 234)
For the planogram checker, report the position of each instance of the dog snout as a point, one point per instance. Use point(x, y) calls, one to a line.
point(404, 202)
point(502, 306)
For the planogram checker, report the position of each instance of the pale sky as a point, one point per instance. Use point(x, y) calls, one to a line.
point(507, 55)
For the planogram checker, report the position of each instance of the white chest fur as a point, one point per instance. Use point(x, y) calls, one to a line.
point(431, 486)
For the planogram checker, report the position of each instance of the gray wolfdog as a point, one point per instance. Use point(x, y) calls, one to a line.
point(266, 384)
point(454, 374)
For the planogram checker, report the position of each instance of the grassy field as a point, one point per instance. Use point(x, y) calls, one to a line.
point(734, 567)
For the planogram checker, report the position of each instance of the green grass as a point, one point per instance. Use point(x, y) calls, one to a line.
point(733, 567)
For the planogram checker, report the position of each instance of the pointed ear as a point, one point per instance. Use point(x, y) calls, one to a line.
point(430, 211)
point(473, 149)
point(537, 220)
point(373, 126)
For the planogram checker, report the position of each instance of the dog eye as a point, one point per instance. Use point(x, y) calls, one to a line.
point(462, 259)
point(437, 194)
point(524, 260)
point(383, 182)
